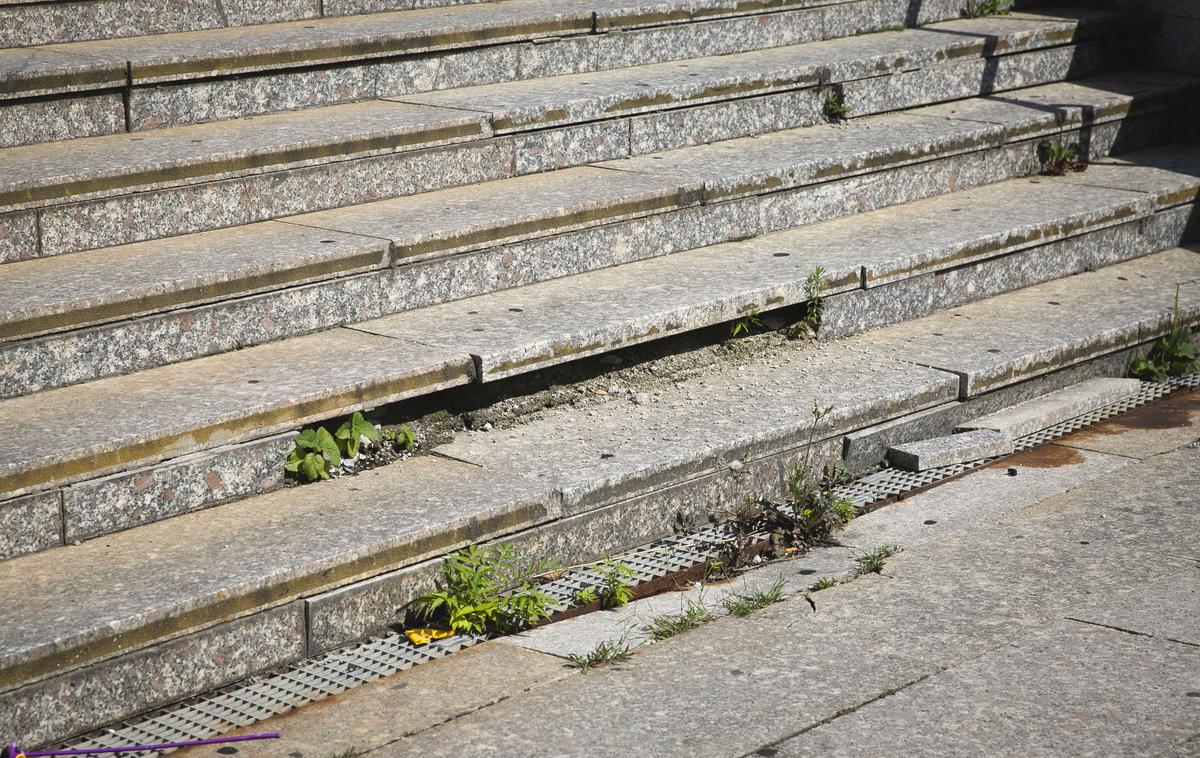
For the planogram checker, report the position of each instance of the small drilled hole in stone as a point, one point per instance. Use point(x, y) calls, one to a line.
point(1122, 279)
point(516, 310)
point(994, 350)
point(1084, 542)
point(806, 572)
point(195, 142)
point(781, 255)
point(227, 750)
point(1053, 302)
point(930, 522)
point(477, 329)
point(326, 242)
point(1194, 693)
point(472, 313)
point(252, 381)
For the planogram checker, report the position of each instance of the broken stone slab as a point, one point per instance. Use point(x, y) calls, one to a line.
point(954, 448)
point(99, 166)
point(112, 424)
point(1035, 415)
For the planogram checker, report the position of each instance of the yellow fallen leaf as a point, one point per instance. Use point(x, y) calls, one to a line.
point(425, 636)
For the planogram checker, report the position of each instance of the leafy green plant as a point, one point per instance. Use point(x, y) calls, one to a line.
point(1058, 158)
point(835, 108)
point(746, 324)
point(350, 434)
point(810, 516)
point(981, 8)
point(315, 452)
point(743, 605)
point(488, 590)
point(403, 438)
point(814, 306)
point(610, 651)
point(873, 562)
point(587, 595)
point(615, 589)
point(1171, 355)
point(691, 616)
point(823, 583)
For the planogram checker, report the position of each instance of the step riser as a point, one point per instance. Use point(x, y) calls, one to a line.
point(60, 360)
point(125, 500)
point(51, 22)
point(165, 207)
point(118, 687)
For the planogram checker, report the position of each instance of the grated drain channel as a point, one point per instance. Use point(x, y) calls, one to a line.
point(263, 696)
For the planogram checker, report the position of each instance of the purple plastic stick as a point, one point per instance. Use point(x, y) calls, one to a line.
point(160, 746)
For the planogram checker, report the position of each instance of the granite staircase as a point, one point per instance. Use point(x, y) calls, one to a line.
point(213, 234)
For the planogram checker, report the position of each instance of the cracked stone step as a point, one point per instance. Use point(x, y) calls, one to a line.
point(1056, 407)
point(543, 226)
point(1005, 339)
point(101, 166)
point(963, 447)
point(89, 609)
point(80, 432)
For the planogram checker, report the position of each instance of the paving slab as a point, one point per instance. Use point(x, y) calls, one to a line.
point(1168, 424)
point(88, 602)
point(1165, 609)
point(120, 422)
point(395, 707)
point(1069, 688)
point(105, 165)
point(28, 72)
point(979, 497)
point(1170, 174)
point(963, 447)
point(66, 292)
point(631, 447)
point(1056, 407)
point(464, 218)
point(1007, 338)
point(580, 635)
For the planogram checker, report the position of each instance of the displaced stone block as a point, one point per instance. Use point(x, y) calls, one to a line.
point(946, 451)
point(1065, 404)
point(30, 523)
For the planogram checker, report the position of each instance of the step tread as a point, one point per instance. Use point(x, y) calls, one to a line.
point(79, 167)
point(1003, 339)
point(564, 319)
point(562, 445)
point(50, 170)
point(223, 400)
point(82, 601)
point(63, 292)
point(540, 102)
point(179, 408)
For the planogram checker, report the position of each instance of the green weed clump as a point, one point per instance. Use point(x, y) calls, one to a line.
point(317, 452)
point(1171, 355)
point(485, 590)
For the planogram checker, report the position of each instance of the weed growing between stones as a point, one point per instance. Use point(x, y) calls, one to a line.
point(747, 325)
point(693, 615)
point(1172, 355)
point(873, 562)
point(814, 306)
point(610, 651)
point(356, 444)
point(1059, 159)
point(835, 109)
point(981, 8)
point(743, 605)
point(812, 514)
point(486, 590)
point(823, 583)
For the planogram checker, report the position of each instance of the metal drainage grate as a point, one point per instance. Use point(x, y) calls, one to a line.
point(261, 697)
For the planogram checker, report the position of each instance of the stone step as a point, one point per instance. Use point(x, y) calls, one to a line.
point(939, 253)
point(450, 244)
point(119, 625)
point(98, 90)
point(102, 191)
